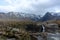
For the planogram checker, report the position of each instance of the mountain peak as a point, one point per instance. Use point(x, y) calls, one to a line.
point(50, 16)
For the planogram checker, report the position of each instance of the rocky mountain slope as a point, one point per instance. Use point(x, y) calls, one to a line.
point(27, 16)
point(19, 16)
point(50, 16)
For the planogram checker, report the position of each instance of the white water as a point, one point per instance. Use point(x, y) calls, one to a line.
point(50, 36)
point(39, 37)
point(55, 36)
point(43, 28)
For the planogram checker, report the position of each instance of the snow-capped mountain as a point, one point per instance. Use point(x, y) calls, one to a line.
point(18, 15)
point(50, 16)
point(27, 16)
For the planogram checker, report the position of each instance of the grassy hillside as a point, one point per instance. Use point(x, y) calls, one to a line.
point(17, 28)
point(11, 28)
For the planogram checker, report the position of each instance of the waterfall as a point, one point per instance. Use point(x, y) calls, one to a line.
point(39, 37)
point(43, 28)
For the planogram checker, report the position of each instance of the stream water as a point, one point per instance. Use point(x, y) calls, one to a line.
point(43, 28)
point(50, 36)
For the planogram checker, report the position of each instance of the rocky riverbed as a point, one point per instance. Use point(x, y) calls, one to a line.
point(53, 36)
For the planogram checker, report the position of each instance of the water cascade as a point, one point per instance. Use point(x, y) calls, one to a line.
point(39, 37)
point(43, 28)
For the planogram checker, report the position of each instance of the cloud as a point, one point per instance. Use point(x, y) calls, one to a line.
point(31, 6)
point(15, 5)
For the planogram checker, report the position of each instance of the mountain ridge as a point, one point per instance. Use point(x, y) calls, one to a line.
point(19, 16)
point(33, 17)
point(49, 16)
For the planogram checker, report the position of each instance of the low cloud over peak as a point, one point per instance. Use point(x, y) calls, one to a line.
point(30, 6)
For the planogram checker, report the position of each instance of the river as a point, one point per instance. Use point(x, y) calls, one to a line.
point(52, 36)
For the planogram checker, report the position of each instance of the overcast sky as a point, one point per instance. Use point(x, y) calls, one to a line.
point(30, 6)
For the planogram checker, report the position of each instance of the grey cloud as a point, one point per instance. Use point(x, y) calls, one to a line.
point(36, 7)
point(43, 8)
